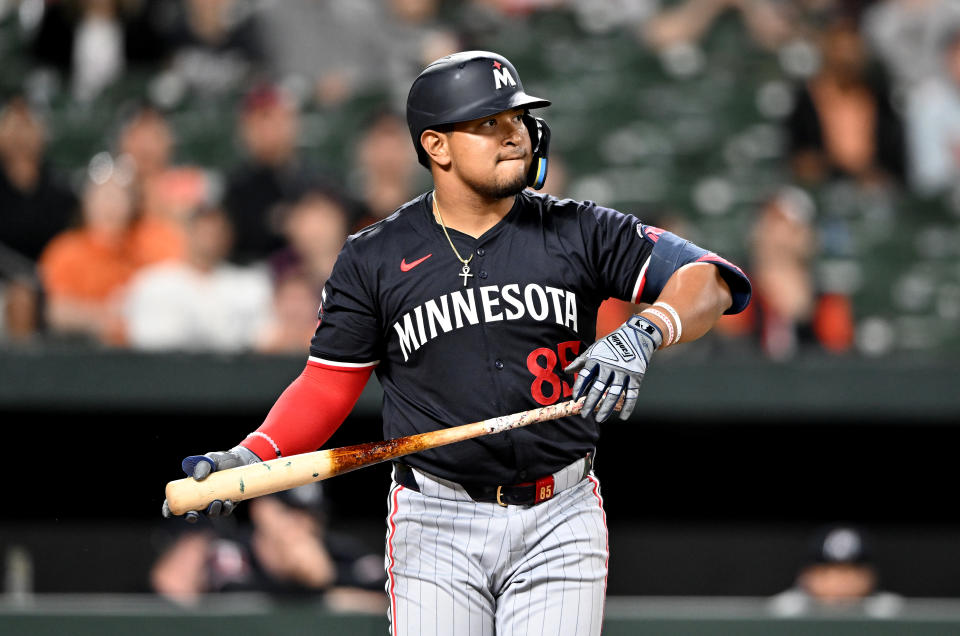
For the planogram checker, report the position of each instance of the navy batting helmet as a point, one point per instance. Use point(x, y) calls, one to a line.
point(470, 85)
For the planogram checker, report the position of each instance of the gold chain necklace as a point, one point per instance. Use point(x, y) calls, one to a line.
point(465, 270)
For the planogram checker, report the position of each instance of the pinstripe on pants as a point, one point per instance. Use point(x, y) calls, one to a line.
point(457, 567)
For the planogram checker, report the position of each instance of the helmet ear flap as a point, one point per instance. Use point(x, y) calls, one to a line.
point(540, 142)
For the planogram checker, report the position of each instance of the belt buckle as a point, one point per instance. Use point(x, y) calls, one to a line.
point(499, 500)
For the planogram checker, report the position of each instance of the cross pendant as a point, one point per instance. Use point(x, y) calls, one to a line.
point(465, 273)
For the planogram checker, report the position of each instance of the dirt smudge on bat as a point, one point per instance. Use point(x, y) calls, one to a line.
point(352, 457)
point(242, 487)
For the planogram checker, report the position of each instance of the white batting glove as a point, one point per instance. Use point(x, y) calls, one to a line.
point(199, 466)
point(615, 365)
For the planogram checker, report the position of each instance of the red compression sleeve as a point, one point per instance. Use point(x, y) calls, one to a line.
point(308, 412)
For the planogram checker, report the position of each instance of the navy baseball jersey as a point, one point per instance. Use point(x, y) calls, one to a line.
point(448, 352)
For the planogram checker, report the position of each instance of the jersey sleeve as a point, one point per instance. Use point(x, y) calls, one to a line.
point(671, 252)
point(348, 333)
point(634, 261)
point(615, 250)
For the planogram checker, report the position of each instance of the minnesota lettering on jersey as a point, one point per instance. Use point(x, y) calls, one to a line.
point(462, 308)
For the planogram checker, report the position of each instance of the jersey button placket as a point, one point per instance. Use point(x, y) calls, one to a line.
point(482, 274)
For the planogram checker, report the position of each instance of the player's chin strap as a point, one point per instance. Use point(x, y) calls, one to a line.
point(540, 138)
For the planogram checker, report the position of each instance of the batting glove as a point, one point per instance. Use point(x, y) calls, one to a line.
point(615, 365)
point(199, 466)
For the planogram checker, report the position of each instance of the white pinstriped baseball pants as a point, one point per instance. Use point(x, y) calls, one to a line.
point(456, 567)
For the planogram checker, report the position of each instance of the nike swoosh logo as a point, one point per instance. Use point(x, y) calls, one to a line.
point(406, 267)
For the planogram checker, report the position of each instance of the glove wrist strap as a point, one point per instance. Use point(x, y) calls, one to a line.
point(649, 328)
point(650, 311)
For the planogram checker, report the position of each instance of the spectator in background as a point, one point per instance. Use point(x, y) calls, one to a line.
point(34, 207)
point(766, 21)
point(315, 228)
point(98, 55)
point(214, 44)
point(295, 304)
point(199, 303)
point(85, 270)
point(301, 32)
point(839, 573)
point(789, 312)
point(907, 36)
point(85, 40)
point(146, 142)
point(933, 124)
point(34, 203)
point(19, 299)
point(386, 171)
point(363, 46)
point(843, 123)
point(94, 41)
point(166, 192)
point(416, 37)
point(272, 174)
point(287, 551)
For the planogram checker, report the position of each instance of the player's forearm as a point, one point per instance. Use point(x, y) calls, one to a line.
point(698, 294)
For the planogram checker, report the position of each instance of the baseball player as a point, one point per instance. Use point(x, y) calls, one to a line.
point(471, 301)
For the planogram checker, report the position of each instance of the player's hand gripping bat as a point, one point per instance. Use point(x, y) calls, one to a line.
point(264, 478)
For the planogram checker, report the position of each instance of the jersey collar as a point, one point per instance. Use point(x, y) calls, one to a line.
point(426, 206)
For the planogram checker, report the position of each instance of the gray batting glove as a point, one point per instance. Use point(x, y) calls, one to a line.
point(199, 466)
point(615, 365)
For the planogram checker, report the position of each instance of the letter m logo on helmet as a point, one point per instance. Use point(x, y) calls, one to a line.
point(501, 76)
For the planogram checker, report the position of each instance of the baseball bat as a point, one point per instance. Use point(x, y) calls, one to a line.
point(264, 478)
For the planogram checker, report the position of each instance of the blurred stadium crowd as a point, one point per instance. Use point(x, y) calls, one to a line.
point(180, 174)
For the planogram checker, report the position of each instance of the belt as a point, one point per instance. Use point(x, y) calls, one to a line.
point(528, 493)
